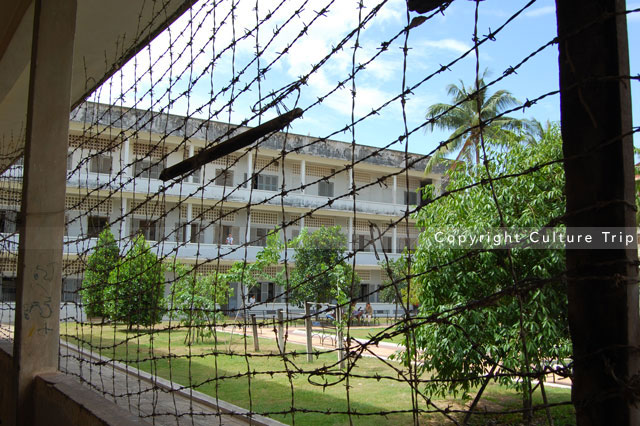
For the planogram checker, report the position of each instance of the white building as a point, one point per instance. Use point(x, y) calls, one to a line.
point(115, 158)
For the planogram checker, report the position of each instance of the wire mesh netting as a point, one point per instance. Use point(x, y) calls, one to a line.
point(313, 279)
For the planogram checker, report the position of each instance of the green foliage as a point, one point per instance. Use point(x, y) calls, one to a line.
point(196, 299)
point(468, 343)
point(136, 287)
point(396, 286)
point(100, 263)
point(321, 274)
point(464, 119)
point(252, 274)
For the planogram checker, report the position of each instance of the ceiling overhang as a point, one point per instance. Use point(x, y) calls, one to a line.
point(108, 34)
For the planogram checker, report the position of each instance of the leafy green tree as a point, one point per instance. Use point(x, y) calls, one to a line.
point(464, 119)
point(395, 286)
point(196, 299)
point(321, 274)
point(100, 263)
point(252, 274)
point(136, 287)
point(462, 347)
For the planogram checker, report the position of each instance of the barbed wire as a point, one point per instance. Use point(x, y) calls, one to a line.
point(165, 105)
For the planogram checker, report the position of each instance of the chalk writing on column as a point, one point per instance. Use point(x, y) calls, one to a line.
point(42, 277)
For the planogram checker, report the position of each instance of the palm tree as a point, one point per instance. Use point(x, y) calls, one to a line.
point(463, 117)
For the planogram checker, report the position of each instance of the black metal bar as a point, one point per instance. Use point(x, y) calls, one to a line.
point(235, 143)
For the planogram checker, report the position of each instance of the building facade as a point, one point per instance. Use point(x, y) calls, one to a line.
point(222, 212)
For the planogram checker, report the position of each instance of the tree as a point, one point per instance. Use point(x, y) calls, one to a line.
point(321, 274)
point(100, 263)
point(395, 286)
point(252, 274)
point(136, 287)
point(461, 348)
point(196, 298)
point(463, 117)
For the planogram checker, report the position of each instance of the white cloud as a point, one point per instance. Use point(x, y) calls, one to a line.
point(453, 45)
point(541, 11)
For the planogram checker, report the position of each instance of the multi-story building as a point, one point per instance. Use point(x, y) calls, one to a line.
point(115, 159)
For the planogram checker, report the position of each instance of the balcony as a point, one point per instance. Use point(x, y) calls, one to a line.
point(186, 190)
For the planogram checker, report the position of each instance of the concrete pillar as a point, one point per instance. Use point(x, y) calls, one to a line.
point(351, 177)
point(37, 331)
point(303, 174)
point(187, 231)
point(247, 232)
point(350, 236)
point(250, 167)
point(395, 189)
point(191, 153)
point(124, 230)
point(124, 157)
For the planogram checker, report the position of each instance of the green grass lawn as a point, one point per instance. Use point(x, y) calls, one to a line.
point(369, 332)
point(270, 384)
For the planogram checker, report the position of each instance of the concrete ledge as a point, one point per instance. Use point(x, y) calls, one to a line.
point(61, 401)
point(217, 404)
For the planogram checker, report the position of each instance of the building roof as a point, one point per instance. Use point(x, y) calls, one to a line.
point(139, 121)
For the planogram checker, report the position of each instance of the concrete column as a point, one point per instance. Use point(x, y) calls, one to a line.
point(37, 328)
point(249, 167)
point(124, 157)
point(303, 174)
point(191, 152)
point(395, 189)
point(124, 229)
point(351, 183)
point(350, 236)
point(187, 231)
point(247, 232)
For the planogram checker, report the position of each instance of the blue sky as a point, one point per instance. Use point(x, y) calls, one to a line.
point(188, 84)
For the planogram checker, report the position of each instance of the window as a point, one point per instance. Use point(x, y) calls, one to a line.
point(410, 197)
point(8, 289)
point(148, 228)
point(261, 237)
point(70, 287)
point(224, 177)
point(196, 236)
point(387, 244)
point(99, 163)
point(70, 161)
point(265, 182)
point(360, 243)
point(268, 291)
point(7, 221)
point(148, 169)
point(222, 233)
point(255, 293)
point(325, 189)
point(95, 225)
point(364, 293)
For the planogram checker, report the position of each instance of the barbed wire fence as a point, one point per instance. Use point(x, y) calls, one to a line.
point(208, 78)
